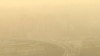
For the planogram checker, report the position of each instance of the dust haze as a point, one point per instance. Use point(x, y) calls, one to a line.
point(56, 21)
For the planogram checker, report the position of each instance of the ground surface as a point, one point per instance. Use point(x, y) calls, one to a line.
point(29, 48)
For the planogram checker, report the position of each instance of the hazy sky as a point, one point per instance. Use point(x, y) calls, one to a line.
point(49, 19)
